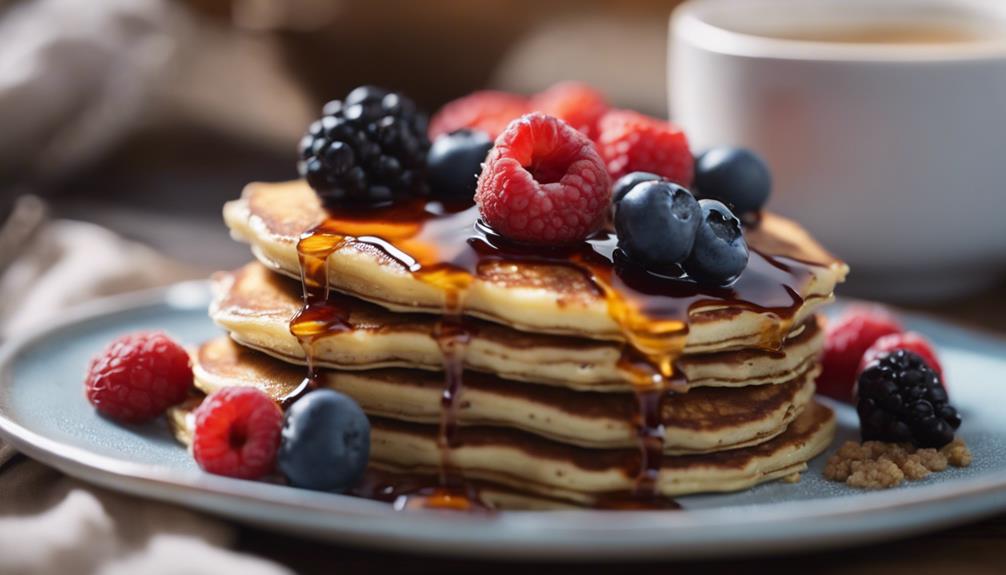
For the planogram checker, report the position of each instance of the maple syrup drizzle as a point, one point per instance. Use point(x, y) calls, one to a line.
point(318, 316)
point(446, 246)
point(452, 334)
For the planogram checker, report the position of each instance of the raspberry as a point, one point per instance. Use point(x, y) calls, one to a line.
point(138, 376)
point(237, 433)
point(632, 142)
point(848, 338)
point(575, 103)
point(543, 183)
point(487, 110)
point(909, 341)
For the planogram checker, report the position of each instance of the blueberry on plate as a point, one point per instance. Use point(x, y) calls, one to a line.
point(720, 253)
point(735, 176)
point(455, 162)
point(629, 181)
point(325, 442)
point(656, 223)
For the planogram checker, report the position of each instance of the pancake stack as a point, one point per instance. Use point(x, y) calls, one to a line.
point(525, 379)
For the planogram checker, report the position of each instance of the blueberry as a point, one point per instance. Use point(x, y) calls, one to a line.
point(656, 224)
point(325, 442)
point(720, 253)
point(735, 176)
point(629, 181)
point(455, 162)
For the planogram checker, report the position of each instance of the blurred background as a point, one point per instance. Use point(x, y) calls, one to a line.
point(144, 116)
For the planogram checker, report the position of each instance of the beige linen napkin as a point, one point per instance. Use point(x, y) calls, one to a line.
point(50, 523)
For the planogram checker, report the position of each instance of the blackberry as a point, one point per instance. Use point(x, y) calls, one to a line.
point(369, 148)
point(901, 399)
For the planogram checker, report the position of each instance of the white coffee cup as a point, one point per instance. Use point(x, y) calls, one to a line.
point(893, 155)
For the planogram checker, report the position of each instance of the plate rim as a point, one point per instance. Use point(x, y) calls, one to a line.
point(581, 534)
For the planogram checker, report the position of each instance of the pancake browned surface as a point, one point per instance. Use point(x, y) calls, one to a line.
point(531, 464)
point(536, 297)
point(256, 306)
point(704, 419)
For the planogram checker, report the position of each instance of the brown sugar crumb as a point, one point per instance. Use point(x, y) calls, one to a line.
point(875, 474)
point(913, 469)
point(957, 453)
point(932, 459)
point(879, 465)
point(838, 468)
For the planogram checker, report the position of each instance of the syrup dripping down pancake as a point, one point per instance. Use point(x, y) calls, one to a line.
point(539, 468)
point(705, 419)
point(256, 305)
point(789, 276)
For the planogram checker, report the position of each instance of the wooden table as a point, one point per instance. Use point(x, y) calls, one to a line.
point(979, 548)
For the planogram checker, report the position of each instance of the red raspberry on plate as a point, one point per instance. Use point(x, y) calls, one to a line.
point(575, 103)
point(847, 339)
point(237, 433)
point(543, 183)
point(631, 142)
point(487, 110)
point(138, 376)
point(909, 341)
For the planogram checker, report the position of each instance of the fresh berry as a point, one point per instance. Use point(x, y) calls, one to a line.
point(656, 223)
point(721, 252)
point(237, 433)
point(368, 149)
point(846, 341)
point(454, 163)
point(575, 103)
point(901, 399)
point(735, 176)
point(910, 341)
point(326, 442)
point(632, 142)
point(488, 111)
point(543, 183)
point(138, 376)
point(629, 181)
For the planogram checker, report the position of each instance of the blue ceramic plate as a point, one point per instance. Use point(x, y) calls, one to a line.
point(43, 413)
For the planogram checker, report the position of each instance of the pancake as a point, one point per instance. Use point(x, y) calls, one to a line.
point(789, 276)
point(256, 306)
point(702, 420)
point(530, 464)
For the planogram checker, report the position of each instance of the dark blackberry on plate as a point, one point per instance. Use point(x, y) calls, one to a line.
point(369, 148)
point(901, 399)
